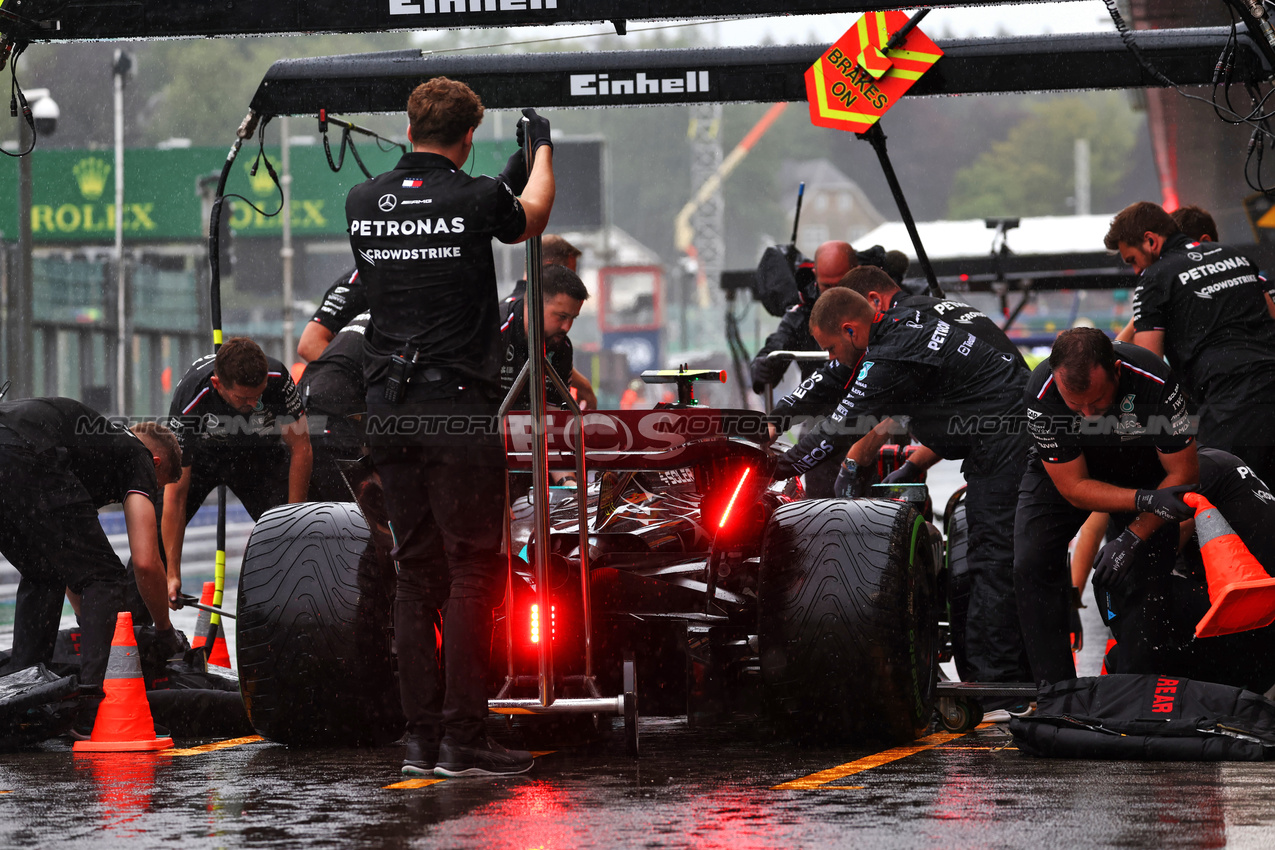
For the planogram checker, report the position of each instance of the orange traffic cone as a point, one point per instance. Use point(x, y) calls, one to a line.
point(220, 654)
point(205, 617)
point(1242, 592)
point(124, 722)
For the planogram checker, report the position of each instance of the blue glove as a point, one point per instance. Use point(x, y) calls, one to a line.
point(1117, 559)
point(908, 473)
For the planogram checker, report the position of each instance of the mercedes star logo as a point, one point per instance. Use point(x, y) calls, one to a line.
point(387, 202)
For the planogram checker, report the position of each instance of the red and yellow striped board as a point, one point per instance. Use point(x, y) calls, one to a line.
point(856, 81)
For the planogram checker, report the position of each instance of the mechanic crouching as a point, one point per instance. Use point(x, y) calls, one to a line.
point(421, 235)
point(965, 400)
point(59, 462)
point(1112, 434)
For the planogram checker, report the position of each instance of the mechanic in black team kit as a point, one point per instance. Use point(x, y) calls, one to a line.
point(343, 300)
point(421, 235)
point(965, 400)
point(59, 462)
point(240, 423)
point(1203, 305)
point(1112, 434)
point(332, 391)
point(564, 294)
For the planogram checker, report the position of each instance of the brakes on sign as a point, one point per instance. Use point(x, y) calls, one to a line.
point(856, 81)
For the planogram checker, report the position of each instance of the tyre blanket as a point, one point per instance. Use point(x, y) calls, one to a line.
point(1148, 718)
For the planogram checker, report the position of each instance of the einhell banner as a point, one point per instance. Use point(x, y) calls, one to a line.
point(73, 196)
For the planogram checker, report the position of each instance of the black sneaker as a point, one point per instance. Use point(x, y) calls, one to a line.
point(486, 758)
point(421, 756)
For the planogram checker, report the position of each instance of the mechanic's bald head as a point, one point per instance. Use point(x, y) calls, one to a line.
point(832, 261)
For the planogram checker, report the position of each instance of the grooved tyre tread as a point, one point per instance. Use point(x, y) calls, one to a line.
point(848, 628)
point(314, 629)
point(958, 585)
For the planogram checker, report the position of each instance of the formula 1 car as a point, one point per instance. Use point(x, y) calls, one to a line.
point(730, 591)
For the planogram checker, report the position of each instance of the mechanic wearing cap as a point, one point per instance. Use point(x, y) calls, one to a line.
point(1203, 306)
point(832, 261)
point(240, 422)
point(1112, 434)
point(343, 300)
point(334, 395)
point(965, 400)
point(433, 352)
point(59, 462)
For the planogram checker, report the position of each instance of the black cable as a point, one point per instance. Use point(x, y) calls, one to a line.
point(262, 159)
point(348, 140)
point(18, 100)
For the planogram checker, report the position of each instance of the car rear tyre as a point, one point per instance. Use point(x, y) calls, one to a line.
point(848, 629)
point(314, 639)
point(958, 581)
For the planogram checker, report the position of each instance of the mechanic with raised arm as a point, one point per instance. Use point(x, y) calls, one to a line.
point(832, 261)
point(240, 422)
point(1204, 307)
point(343, 301)
point(964, 398)
point(59, 462)
point(433, 352)
point(1112, 434)
point(333, 393)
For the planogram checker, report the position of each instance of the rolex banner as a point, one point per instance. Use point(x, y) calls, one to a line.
point(73, 195)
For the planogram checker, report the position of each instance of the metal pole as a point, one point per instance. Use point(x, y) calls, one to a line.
point(21, 300)
point(876, 136)
point(539, 449)
point(285, 252)
point(123, 395)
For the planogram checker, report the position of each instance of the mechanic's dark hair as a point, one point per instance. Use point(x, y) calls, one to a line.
point(556, 251)
point(1195, 222)
point(865, 279)
point(1134, 221)
point(241, 363)
point(162, 443)
point(442, 111)
point(896, 265)
point(1075, 354)
point(839, 305)
point(560, 280)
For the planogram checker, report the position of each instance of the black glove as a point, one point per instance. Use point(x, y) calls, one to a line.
point(1077, 630)
point(1116, 560)
point(852, 482)
point(908, 473)
point(536, 129)
point(766, 372)
point(1166, 503)
point(155, 647)
point(515, 173)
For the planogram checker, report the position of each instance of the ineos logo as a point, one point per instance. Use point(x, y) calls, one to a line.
point(387, 202)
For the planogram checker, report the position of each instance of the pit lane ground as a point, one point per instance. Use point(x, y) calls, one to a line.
point(728, 787)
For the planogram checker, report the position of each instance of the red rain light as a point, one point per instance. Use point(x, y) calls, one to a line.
point(733, 497)
point(535, 622)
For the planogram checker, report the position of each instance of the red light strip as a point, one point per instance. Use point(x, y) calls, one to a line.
point(734, 496)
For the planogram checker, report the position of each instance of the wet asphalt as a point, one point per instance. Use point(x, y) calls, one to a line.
point(732, 786)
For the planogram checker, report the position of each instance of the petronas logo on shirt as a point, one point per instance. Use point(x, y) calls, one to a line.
point(1127, 404)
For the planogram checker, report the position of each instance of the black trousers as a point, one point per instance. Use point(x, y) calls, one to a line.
point(53, 538)
point(445, 505)
point(993, 641)
point(1154, 620)
point(259, 477)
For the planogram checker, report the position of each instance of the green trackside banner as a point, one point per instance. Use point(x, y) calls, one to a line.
point(73, 194)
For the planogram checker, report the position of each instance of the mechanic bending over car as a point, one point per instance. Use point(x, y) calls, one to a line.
point(240, 422)
point(343, 300)
point(832, 261)
point(1112, 434)
point(59, 462)
point(332, 391)
point(1207, 308)
point(432, 351)
point(965, 401)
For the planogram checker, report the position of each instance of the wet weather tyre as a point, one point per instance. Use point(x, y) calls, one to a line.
point(314, 637)
point(957, 576)
point(848, 627)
